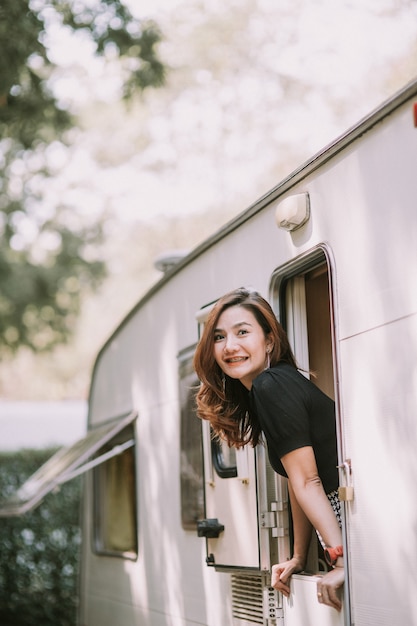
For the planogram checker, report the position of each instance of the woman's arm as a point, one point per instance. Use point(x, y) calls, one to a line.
point(282, 572)
point(309, 494)
point(302, 529)
point(303, 477)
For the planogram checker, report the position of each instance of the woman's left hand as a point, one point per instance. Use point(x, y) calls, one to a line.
point(329, 588)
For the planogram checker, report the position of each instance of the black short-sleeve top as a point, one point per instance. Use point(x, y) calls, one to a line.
point(293, 412)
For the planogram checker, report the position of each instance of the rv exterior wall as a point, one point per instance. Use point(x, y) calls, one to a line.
point(362, 213)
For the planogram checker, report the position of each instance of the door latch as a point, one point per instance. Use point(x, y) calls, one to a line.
point(209, 528)
point(346, 491)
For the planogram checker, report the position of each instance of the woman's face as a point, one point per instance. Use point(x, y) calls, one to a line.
point(240, 345)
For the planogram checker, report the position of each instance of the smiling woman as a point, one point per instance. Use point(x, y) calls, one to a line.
point(251, 387)
point(223, 395)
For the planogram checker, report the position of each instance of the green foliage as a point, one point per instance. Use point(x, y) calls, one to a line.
point(27, 108)
point(39, 300)
point(39, 552)
point(29, 112)
point(50, 257)
point(113, 27)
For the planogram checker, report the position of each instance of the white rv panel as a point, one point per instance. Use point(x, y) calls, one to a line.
point(302, 608)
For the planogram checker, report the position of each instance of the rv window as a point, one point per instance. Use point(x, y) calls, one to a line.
point(115, 500)
point(304, 300)
point(191, 470)
point(192, 496)
point(224, 459)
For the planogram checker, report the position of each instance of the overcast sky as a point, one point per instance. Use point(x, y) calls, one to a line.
point(41, 424)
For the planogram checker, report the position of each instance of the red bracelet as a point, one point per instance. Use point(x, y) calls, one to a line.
point(332, 554)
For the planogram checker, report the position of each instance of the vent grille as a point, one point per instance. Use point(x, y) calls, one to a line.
point(247, 598)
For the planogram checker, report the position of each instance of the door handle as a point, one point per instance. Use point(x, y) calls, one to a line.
point(209, 528)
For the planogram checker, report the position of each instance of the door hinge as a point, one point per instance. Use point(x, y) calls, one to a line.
point(276, 519)
point(268, 519)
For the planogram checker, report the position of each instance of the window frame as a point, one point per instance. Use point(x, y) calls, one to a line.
point(192, 504)
point(104, 508)
point(289, 298)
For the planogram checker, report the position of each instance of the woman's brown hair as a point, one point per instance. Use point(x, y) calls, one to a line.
point(221, 400)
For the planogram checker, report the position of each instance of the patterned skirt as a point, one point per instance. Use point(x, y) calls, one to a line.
point(335, 502)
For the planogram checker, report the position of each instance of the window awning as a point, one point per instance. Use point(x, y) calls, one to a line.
point(65, 464)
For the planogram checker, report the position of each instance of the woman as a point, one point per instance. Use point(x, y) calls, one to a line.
point(250, 385)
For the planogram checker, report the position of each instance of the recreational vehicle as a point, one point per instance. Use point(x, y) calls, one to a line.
point(179, 530)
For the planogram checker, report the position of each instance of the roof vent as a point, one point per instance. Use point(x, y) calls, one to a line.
point(167, 260)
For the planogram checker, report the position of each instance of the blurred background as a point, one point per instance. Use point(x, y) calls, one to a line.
point(129, 129)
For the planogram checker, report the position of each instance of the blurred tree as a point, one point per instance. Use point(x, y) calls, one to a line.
point(49, 255)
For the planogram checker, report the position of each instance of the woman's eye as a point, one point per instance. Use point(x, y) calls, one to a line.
point(242, 331)
point(218, 337)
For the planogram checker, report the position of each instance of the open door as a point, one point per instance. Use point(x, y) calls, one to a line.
point(231, 525)
point(245, 523)
point(302, 294)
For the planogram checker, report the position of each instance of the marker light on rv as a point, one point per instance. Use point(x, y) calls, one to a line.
point(292, 212)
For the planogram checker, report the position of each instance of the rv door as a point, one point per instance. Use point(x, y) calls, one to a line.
point(237, 524)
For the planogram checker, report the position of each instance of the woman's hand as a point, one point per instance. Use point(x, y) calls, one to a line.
point(329, 587)
point(282, 572)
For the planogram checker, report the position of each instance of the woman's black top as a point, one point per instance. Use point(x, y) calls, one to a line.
point(294, 413)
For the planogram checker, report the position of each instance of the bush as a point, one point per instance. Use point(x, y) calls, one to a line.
point(39, 551)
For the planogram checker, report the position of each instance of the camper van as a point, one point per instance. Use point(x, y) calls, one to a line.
point(179, 530)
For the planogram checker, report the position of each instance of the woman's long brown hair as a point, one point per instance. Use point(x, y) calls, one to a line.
point(221, 400)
